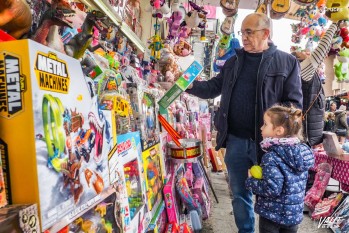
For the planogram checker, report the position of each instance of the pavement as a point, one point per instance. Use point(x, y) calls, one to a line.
point(222, 221)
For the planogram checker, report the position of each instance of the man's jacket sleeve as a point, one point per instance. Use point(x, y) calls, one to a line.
point(292, 93)
point(208, 89)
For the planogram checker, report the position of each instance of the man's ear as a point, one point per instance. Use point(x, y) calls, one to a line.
point(266, 34)
point(280, 131)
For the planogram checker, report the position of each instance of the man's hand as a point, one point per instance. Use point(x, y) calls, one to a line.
point(190, 86)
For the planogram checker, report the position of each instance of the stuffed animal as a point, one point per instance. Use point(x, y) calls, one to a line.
point(344, 33)
point(227, 26)
point(182, 48)
point(155, 47)
point(341, 69)
point(337, 9)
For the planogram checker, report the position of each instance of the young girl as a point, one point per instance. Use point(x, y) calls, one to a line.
point(280, 192)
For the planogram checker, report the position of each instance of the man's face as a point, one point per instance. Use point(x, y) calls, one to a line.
point(253, 38)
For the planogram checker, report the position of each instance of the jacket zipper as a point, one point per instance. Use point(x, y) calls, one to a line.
point(255, 104)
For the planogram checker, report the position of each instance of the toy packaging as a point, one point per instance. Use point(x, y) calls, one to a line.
point(181, 84)
point(125, 165)
point(108, 215)
point(172, 227)
point(158, 223)
point(144, 113)
point(63, 154)
point(170, 199)
point(153, 165)
point(341, 217)
point(19, 218)
point(3, 198)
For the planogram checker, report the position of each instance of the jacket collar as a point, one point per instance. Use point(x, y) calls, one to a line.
point(272, 48)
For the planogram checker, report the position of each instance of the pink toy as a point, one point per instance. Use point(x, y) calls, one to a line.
point(170, 200)
point(316, 192)
point(200, 191)
point(95, 36)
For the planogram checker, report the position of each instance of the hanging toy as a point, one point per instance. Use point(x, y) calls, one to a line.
point(155, 47)
point(337, 9)
point(225, 50)
point(182, 48)
point(227, 26)
point(341, 69)
point(174, 23)
point(344, 34)
point(229, 7)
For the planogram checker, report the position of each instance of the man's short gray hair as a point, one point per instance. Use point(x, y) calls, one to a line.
point(263, 21)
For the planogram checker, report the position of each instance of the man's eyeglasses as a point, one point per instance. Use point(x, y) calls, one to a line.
point(248, 32)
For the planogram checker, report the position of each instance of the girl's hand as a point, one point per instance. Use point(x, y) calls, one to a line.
point(249, 173)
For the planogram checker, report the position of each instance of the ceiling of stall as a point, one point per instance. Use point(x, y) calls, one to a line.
point(243, 4)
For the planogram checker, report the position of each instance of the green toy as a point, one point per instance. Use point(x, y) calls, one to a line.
point(342, 67)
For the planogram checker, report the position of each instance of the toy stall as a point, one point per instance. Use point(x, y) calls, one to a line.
point(97, 133)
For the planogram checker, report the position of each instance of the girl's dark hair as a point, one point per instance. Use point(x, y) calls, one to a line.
point(290, 118)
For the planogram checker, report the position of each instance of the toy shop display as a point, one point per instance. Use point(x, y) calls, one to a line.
point(66, 137)
point(19, 218)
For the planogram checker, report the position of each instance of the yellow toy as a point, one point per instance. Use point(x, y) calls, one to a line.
point(256, 172)
point(337, 9)
point(155, 47)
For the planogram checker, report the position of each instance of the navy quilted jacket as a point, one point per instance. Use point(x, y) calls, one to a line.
point(280, 193)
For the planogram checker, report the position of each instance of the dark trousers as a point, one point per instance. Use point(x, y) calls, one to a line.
point(267, 226)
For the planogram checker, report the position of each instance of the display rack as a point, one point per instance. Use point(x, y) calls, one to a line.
point(117, 19)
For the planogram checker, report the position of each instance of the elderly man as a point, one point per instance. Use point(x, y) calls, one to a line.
point(256, 78)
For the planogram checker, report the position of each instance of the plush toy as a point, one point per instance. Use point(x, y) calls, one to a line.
point(182, 48)
point(174, 23)
point(341, 69)
point(344, 33)
point(225, 50)
point(229, 7)
point(155, 47)
point(337, 9)
point(122, 45)
point(227, 26)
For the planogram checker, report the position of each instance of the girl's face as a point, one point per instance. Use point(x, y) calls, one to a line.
point(268, 129)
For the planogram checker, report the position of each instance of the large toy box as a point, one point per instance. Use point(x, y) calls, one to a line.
point(56, 137)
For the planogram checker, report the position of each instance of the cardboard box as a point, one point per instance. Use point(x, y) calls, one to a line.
point(153, 165)
point(331, 144)
point(55, 135)
point(19, 219)
point(128, 167)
